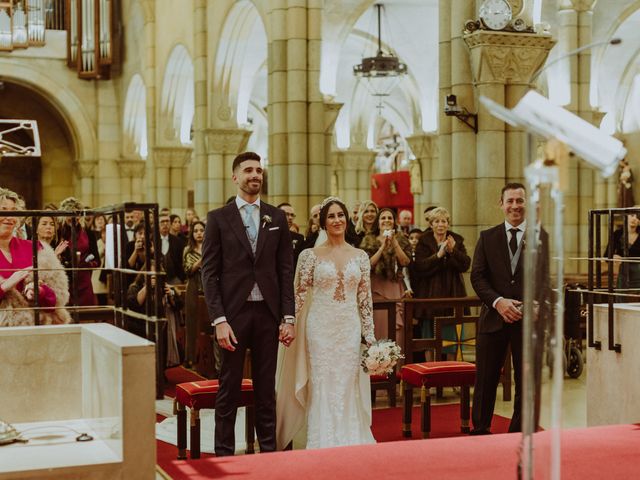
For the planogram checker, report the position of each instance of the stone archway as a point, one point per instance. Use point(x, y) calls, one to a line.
point(47, 178)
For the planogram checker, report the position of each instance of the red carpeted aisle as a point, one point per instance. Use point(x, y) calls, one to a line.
point(590, 453)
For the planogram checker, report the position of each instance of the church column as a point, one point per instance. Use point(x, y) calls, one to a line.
point(441, 179)
point(170, 164)
point(132, 173)
point(297, 157)
point(149, 76)
point(277, 104)
point(201, 200)
point(502, 64)
point(463, 138)
point(85, 173)
point(425, 148)
point(354, 174)
point(568, 41)
point(222, 145)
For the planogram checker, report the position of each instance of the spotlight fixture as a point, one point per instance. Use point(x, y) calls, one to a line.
point(452, 109)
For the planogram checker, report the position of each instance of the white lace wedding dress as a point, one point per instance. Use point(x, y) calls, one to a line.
point(334, 311)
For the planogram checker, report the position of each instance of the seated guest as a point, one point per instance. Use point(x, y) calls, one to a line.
point(17, 288)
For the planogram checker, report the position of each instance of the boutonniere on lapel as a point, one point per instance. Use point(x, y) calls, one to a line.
point(266, 220)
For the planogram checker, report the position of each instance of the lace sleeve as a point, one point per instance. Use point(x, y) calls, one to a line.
point(304, 278)
point(365, 303)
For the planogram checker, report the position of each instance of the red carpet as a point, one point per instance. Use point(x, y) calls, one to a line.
point(445, 422)
point(588, 453)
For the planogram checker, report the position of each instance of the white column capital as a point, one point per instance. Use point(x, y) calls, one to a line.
point(507, 57)
point(331, 111)
point(176, 157)
point(132, 168)
point(226, 140)
point(86, 168)
point(423, 145)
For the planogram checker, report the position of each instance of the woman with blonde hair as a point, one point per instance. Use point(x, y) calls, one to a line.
point(440, 260)
point(17, 288)
point(367, 215)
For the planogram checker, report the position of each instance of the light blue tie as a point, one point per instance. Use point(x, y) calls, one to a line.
point(252, 231)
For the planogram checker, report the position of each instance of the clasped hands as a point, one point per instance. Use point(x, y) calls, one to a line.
point(227, 339)
point(446, 247)
point(509, 309)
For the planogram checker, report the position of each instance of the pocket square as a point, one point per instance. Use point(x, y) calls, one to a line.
point(274, 228)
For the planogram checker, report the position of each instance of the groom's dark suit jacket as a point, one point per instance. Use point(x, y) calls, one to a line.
point(491, 275)
point(230, 269)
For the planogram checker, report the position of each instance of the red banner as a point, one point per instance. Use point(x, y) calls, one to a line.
point(392, 190)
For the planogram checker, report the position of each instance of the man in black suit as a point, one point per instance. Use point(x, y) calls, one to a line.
point(497, 277)
point(172, 248)
point(247, 276)
point(297, 239)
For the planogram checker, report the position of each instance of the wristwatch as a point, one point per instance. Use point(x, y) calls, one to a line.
point(289, 320)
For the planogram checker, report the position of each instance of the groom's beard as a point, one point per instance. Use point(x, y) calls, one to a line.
point(250, 188)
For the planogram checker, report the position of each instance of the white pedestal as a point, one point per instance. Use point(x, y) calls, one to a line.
point(613, 390)
point(59, 380)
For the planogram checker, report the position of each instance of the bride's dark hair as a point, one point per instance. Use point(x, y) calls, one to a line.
point(324, 211)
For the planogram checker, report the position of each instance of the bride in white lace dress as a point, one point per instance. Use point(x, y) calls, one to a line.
point(320, 380)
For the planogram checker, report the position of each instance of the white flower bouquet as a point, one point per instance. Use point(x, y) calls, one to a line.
point(381, 357)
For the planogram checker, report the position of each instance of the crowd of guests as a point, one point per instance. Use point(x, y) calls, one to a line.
point(405, 260)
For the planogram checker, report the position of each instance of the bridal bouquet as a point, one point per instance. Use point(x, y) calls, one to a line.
point(381, 357)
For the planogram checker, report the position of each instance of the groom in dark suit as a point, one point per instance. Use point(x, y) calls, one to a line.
point(247, 276)
point(497, 277)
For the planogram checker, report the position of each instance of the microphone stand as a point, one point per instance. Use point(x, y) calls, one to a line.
point(533, 349)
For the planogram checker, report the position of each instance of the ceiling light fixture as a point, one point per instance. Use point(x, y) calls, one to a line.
point(382, 72)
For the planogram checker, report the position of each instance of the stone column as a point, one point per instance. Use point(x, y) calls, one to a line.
point(297, 159)
point(200, 62)
point(149, 75)
point(85, 173)
point(132, 174)
point(222, 145)
point(441, 170)
point(425, 148)
point(170, 170)
point(353, 168)
point(502, 64)
point(463, 138)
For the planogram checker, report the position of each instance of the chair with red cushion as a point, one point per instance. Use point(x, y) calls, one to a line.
point(198, 395)
point(435, 374)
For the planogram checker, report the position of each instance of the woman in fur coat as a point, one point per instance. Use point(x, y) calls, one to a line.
point(16, 275)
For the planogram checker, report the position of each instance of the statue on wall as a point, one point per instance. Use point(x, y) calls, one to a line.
point(415, 173)
point(625, 185)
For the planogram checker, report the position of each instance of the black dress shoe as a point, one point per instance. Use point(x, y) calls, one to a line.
point(479, 432)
